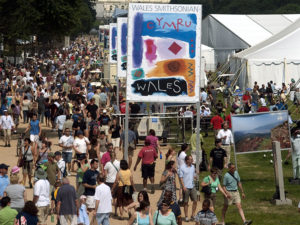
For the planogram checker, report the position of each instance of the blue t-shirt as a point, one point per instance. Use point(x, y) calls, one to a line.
point(30, 219)
point(34, 127)
point(4, 182)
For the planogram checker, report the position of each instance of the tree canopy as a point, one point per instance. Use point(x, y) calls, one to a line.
point(47, 19)
point(245, 7)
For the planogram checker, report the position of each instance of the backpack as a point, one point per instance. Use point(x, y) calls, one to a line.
point(95, 131)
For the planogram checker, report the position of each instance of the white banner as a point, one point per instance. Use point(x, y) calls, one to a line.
point(113, 43)
point(164, 51)
point(122, 46)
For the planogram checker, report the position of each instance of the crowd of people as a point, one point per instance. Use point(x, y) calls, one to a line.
point(53, 92)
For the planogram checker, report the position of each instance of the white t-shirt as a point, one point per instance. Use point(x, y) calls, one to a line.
point(112, 171)
point(60, 121)
point(103, 194)
point(42, 189)
point(66, 141)
point(181, 159)
point(229, 137)
point(81, 144)
point(61, 165)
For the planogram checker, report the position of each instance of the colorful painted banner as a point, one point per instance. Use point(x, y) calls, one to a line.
point(256, 132)
point(122, 46)
point(164, 44)
point(113, 43)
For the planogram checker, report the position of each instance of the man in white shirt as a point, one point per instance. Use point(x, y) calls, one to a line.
point(41, 194)
point(103, 201)
point(6, 124)
point(227, 140)
point(60, 120)
point(66, 143)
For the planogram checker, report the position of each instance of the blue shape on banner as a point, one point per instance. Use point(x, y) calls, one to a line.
point(137, 54)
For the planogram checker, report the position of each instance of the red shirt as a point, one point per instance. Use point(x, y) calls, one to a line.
point(217, 121)
point(228, 119)
point(246, 97)
point(123, 107)
point(147, 154)
point(263, 109)
point(105, 158)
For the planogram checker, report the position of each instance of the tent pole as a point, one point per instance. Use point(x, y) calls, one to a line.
point(284, 70)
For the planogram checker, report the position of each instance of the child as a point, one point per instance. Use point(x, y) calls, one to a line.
point(83, 218)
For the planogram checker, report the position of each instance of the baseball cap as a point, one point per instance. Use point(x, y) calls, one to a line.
point(57, 153)
point(79, 132)
point(3, 166)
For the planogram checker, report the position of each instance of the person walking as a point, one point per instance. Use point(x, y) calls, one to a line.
point(206, 216)
point(4, 180)
point(148, 155)
point(187, 174)
point(35, 130)
point(16, 192)
point(26, 156)
point(227, 141)
point(66, 143)
point(67, 204)
point(6, 124)
point(142, 216)
point(231, 184)
point(213, 183)
point(103, 198)
point(41, 194)
point(218, 157)
point(89, 182)
point(164, 216)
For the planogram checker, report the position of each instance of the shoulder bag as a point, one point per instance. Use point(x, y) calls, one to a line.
point(22, 160)
point(206, 189)
point(127, 189)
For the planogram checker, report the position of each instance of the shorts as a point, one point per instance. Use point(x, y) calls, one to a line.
point(148, 170)
point(105, 128)
point(190, 192)
point(68, 219)
point(28, 167)
point(67, 156)
point(235, 198)
point(115, 142)
point(110, 185)
point(211, 198)
point(34, 138)
point(80, 155)
point(43, 214)
point(90, 202)
point(130, 152)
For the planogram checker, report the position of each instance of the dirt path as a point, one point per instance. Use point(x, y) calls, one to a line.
point(8, 156)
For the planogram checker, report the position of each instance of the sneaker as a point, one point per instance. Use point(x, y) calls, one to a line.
point(192, 218)
point(248, 222)
point(186, 219)
point(30, 185)
point(68, 174)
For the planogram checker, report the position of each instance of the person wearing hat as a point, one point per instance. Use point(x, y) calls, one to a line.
point(41, 193)
point(4, 181)
point(6, 124)
point(53, 172)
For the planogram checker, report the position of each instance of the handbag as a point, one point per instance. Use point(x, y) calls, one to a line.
point(22, 160)
point(127, 189)
point(206, 189)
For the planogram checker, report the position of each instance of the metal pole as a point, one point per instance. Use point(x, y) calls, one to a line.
point(118, 95)
point(198, 144)
point(126, 132)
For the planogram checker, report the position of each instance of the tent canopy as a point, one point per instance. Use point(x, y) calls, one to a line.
point(277, 59)
point(230, 33)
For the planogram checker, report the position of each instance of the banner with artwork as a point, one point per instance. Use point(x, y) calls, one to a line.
point(122, 46)
point(113, 43)
point(163, 52)
point(256, 132)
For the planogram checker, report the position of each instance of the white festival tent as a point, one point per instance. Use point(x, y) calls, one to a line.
point(229, 34)
point(209, 57)
point(276, 59)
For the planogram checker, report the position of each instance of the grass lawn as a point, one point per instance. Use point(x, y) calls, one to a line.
point(257, 174)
